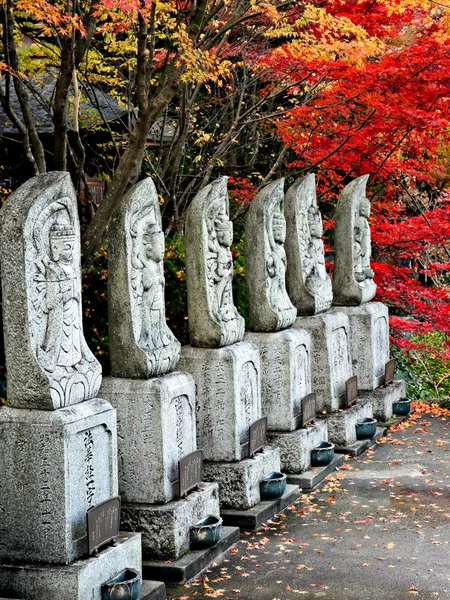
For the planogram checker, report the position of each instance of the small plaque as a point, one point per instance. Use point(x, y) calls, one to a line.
point(257, 435)
point(389, 371)
point(190, 470)
point(308, 408)
point(103, 523)
point(351, 387)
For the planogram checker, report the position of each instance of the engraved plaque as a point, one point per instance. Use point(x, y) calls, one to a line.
point(190, 469)
point(389, 371)
point(257, 435)
point(351, 387)
point(103, 521)
point(308, 408)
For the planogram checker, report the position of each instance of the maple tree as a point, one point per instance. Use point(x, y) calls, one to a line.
point(258, 90)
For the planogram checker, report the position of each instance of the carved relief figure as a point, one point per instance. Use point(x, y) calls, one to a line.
point(147, 283)
point(308, 282)
point(56, 324)
point(219, 262)
point(362, 245)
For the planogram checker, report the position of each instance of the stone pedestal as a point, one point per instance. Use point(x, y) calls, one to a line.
point(165, 527)
point(369, 341)
point(285, 375)
point(342, 424)
point(54, 466)
point(331, 357)
point(156, 428)
point(295, 446)
point(383, 398)
point(228, 397)
point(239, 481)
point(82, 580)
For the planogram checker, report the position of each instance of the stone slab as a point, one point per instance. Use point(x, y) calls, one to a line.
point(342, 424)
point(165, 527)
point(269, 306)
point(152, 590)
point(360, 446)
point(295, 447)
point(239, 481)
point(307, 280)
point(80, 580)
point(192, 563)
point(331, 364)
point(393, 422)
point(311, 479)
point(228, 397)
point(155, 429)
point(136, 306)
point(55, 465)
point(285, 375)
point(383, 398)
point(369, 341)
point(353, 282)
point(49, 363)
point(253, 518)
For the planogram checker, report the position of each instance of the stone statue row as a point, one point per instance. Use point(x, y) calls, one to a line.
point(285, 268)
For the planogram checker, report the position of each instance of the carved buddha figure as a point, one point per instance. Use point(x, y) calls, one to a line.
point(276, 269)
point(362, 245)
point(62, 344)
point(154, 333)
point(223, 275)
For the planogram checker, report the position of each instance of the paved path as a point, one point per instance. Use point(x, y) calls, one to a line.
point(379, 529)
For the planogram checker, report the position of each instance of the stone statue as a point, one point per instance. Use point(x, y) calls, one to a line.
point(214, 321)
point(270, 308)
point(137, 315)
point(353, 278)
point(49, 363)
point(307, 281)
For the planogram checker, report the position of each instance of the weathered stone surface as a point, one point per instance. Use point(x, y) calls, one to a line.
point(136, 307)
point(213, 319)
point(342, 424)
point(285, 375)
point(239, 481)
point(165, 527)
point(331, 357)
point(48, 361)
point(82, 580)
point(270, 308)
point(384, 397)
point(55, 465)
point(228, 384)
point(369, 341)
point(295, 446)
point(352, 277)
point(307, 281)
point(156, 428)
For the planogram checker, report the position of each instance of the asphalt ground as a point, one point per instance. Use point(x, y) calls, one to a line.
point(378, 529)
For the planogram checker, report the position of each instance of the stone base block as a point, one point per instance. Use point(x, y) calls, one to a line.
point(156, 428)
point(54, 466)
point(253, 518)
point(239, 481)
point(361, 446)
point(331, 365)
point(383, 398)
point(192, 563)
point(295, 447)
point(369, 340)
point(153, 590)
point(285, 375)
point(342, 424)
point(165, 527)
point(312, 478)
point(228, 385)
point(393, 422)
point(80, 580)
